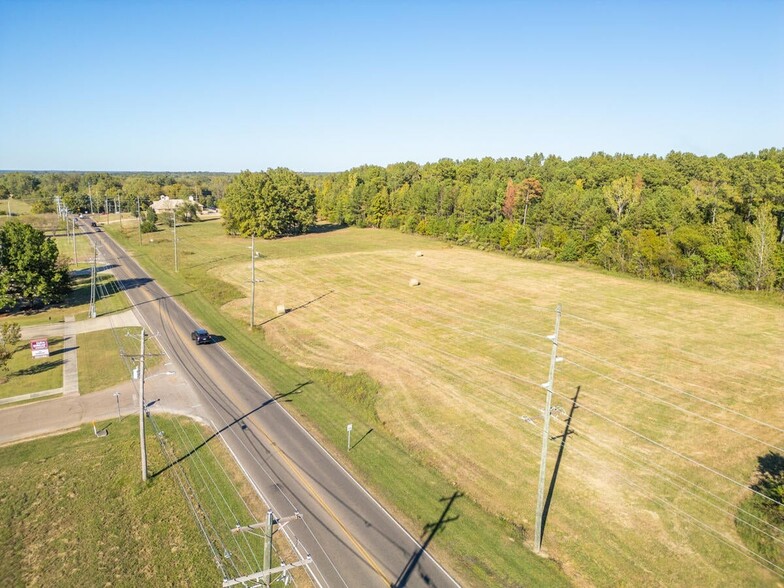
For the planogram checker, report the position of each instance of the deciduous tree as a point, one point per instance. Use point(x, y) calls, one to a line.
point(30, 267)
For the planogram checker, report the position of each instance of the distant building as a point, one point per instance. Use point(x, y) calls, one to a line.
point(166, 204)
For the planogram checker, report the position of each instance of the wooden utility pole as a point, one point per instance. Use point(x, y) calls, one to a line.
point(92, 281)
point(139, 216)
point(73, 234)
point(174, 218)
point(141, 411)
point(548, 385)
point(269, 529)
point(252, 279)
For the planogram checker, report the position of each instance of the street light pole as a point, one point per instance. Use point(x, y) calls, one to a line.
point(117, 398)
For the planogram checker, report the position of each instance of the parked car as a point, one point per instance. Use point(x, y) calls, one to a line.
point(201, 336)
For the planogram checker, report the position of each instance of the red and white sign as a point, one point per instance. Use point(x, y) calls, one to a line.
point(40, 347)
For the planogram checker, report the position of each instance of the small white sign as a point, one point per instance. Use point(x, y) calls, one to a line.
point(40, 347)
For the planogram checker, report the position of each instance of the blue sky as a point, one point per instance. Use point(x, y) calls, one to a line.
point(316, 86)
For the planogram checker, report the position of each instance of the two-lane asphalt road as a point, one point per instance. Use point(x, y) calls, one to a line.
point(353, 541)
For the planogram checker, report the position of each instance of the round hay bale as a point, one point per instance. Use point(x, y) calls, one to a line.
point(281, 309)
point(419, 254)
point(413, 282)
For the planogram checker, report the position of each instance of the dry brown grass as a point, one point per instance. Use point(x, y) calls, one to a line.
point(462, 357)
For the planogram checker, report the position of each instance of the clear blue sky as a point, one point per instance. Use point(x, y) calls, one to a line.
point(225, 86)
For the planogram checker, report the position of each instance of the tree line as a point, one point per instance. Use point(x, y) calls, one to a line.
point(100, 192)
point(717, 220)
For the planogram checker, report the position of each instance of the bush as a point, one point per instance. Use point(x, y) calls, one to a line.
point(148, 227)
point(571, 251)
point(695, 268)
point(724, 280)
point(539, 253)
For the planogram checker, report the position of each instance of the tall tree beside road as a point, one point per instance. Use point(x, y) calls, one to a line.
point(268, 205)
point(30, 267)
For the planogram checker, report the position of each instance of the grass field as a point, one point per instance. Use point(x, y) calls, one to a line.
point(15, 205)
point(100, 362)
point(26, 374)
point(679, 390)
point(51, 532)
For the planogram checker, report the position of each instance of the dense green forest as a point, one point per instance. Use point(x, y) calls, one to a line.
point(716, 220)
point(683, 217)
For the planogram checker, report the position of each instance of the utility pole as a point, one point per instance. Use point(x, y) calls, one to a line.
point(267, 561)
point(252, 278)
point(548, 385)
point(269, 530)
point(73, 224)
point(106, 208)
point(92, 282)
point(141, 411)
point(90, 194)
point(139, 216)
point(174, 218)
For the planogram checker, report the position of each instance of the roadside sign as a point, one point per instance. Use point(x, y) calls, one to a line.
point(40, 347)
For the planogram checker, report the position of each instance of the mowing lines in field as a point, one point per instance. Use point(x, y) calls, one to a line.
point(666, 386)
point(677, 481)
point(672, 508)
point(738, 368)
point(406, 330)
point(682, 456)
point(663, 401)
point(649, 395)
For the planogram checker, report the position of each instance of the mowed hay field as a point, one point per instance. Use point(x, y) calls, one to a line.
point(679, 390)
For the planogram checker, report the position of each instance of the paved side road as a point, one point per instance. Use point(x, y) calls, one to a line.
point(28, 421)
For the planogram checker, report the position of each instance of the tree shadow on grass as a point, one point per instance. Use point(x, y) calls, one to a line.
point(325, 228)
point(37, 368)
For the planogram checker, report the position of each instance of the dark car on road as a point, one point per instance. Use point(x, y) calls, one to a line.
point(201, 336)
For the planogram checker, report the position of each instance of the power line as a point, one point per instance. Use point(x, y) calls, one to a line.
point(676, 406)
point(665, 385)
point(717, 534)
